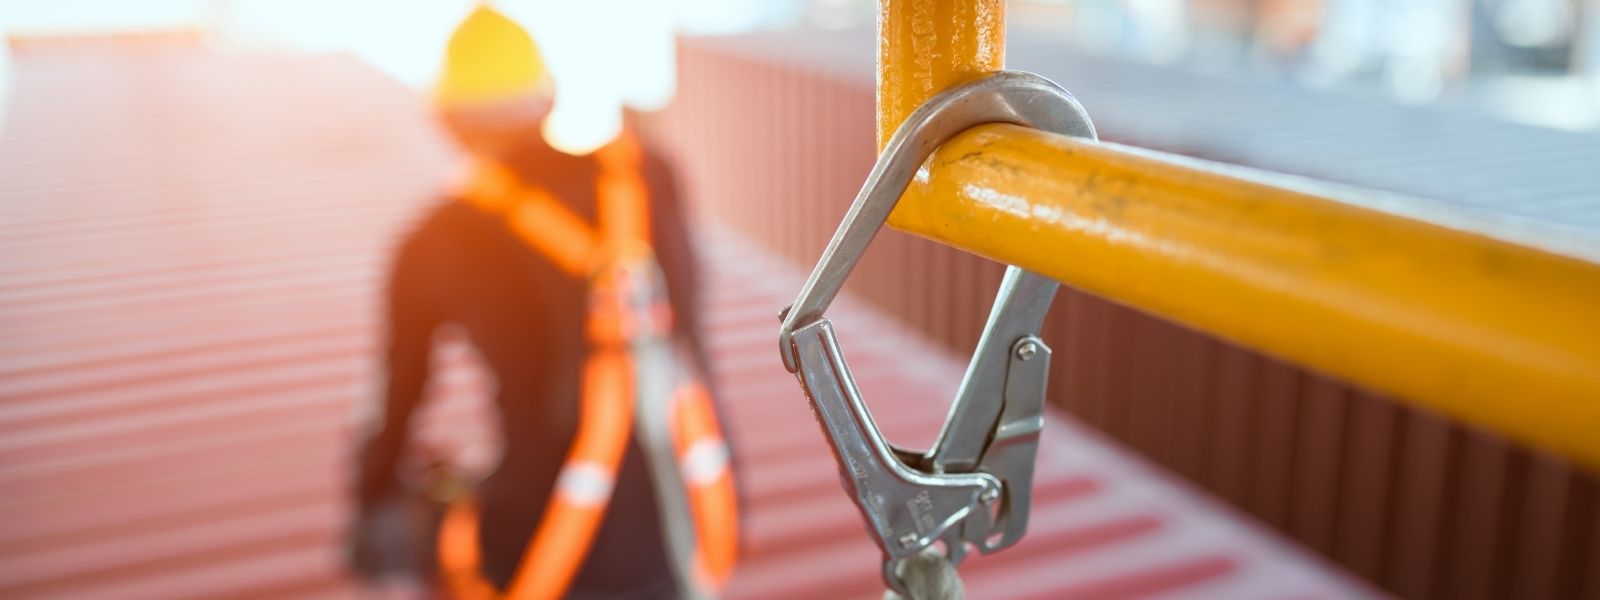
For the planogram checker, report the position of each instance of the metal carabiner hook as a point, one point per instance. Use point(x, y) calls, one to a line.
point(985, 452)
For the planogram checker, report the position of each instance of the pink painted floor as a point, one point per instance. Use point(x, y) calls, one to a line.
point(191, 246)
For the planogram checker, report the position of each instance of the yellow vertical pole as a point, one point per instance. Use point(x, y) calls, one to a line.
point(928, 45)
point(925, 46)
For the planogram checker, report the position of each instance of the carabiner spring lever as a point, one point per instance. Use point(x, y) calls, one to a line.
point(974, 486)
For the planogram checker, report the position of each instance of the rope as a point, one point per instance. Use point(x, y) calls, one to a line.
point(928, 576)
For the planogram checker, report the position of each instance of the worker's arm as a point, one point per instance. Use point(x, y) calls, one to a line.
point(411, 321)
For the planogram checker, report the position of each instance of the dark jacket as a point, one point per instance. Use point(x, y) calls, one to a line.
point(525, 317)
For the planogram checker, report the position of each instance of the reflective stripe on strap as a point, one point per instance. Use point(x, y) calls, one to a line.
point(577, 505)
point(703, 458)
point(585, 484)
point(704, 462)
point(574, 513)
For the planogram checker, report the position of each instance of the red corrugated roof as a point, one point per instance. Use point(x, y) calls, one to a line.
point(192, 245)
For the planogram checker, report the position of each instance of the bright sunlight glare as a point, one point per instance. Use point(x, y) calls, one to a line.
point(600, 62)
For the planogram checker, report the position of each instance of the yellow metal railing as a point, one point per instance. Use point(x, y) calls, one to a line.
point(1499, 334)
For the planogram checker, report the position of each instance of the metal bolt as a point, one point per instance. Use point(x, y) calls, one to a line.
point(1027, 350)
point(989, 496)
point(908, 539)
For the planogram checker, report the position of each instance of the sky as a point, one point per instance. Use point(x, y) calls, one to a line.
point(599, 62)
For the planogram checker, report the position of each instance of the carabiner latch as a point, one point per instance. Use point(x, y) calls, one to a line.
point(974, 486)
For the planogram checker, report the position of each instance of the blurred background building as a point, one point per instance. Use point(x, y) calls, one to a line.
point(1532, 61)
point(196, 196)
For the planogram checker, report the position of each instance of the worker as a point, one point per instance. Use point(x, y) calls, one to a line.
point(573, 277)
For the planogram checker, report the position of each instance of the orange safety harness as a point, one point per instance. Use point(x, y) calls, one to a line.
point(627, 308)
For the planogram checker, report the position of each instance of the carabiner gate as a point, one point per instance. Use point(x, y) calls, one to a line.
point(974, 486)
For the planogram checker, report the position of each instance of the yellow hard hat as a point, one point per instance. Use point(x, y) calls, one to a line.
point(490, 58)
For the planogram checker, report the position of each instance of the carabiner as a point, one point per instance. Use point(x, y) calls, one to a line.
point(985, 452)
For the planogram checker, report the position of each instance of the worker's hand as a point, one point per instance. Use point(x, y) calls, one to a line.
point(392, 539)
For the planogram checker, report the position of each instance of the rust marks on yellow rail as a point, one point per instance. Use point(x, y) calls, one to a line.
point(925, 46)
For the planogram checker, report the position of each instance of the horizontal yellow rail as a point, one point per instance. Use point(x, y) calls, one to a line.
point(1495, 333)
point(1498, 334)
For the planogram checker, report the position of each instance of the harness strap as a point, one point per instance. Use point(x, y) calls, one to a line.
point(606, 258)
point(459, 556)
point(622, 208)
point(705, 461)
point(583, 490)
